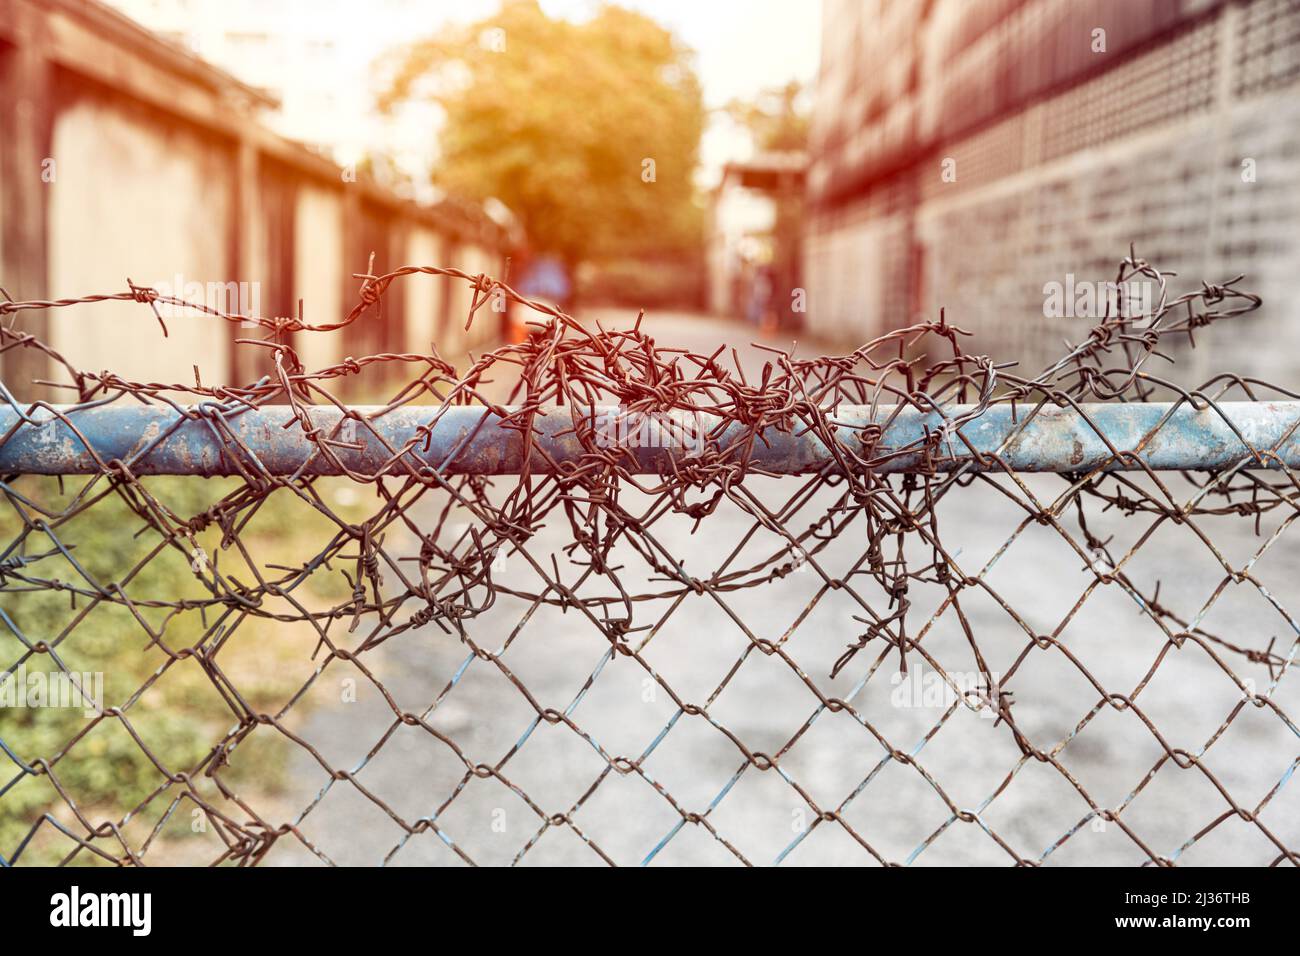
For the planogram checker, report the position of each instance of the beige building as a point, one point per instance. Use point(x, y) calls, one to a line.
point(125, 156)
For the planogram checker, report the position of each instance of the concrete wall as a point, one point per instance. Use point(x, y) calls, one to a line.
point(140, 200)
point(121, 156)
point(424, 294)
point(318, 263)
point(856, 269)
point(1149, 151)
point(486, 328)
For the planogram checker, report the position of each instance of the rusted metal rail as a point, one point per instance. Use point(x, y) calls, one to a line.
point(212, 440)
point(773, 643)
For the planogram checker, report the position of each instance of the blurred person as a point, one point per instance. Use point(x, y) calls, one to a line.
point(546, 278)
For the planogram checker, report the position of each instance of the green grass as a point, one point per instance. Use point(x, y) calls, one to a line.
point(181, 715)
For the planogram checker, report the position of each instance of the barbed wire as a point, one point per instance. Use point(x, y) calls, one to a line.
point(589, 534)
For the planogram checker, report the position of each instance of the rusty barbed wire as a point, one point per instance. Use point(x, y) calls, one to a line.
point(423, 562)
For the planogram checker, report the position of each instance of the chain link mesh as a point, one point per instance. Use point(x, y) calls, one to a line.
point(715, 663)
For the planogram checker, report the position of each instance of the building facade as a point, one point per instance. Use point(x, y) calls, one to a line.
point(753, 237)
point(318, 59)
point(124, 156)
point(970, 154)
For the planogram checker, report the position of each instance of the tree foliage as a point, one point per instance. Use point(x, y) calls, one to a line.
point(776, 118)
point(558, 120)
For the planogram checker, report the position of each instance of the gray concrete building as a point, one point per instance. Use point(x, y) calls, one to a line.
point(968, 153)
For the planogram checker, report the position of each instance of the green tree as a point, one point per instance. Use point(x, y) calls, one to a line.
point(588, 131)
point(776, 118)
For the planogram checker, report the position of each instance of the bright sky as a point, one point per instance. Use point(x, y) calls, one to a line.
point(743, 45)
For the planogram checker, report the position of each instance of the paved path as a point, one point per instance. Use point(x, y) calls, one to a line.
point(764, 703)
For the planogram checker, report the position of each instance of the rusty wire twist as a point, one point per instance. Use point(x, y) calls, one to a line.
point(606, 514)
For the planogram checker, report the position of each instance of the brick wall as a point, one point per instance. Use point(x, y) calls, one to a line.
point(1148, 151)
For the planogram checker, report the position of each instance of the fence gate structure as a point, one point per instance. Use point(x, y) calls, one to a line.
point(595, 599)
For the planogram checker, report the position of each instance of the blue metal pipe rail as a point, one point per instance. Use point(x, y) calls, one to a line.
point(213, 440)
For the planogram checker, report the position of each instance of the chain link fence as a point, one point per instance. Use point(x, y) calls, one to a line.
point(595, 599)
